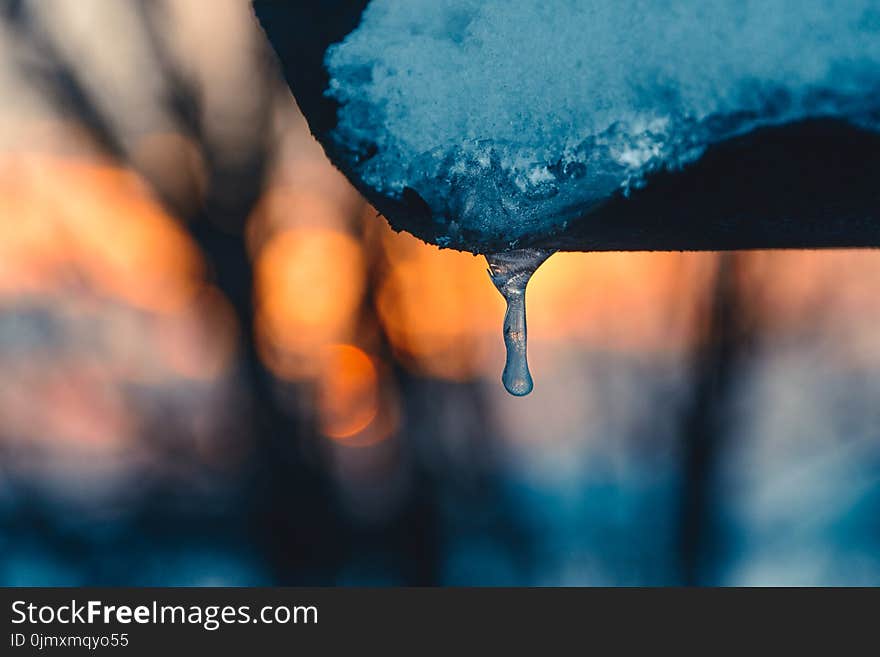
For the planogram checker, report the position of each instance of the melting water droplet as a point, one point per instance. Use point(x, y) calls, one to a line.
point(510, 272)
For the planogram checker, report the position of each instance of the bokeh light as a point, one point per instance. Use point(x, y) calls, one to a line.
point(309, 284)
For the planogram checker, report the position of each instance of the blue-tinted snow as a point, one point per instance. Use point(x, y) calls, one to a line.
point(512, 118)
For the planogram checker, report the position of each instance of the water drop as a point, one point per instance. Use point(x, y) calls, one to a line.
point(510, 273)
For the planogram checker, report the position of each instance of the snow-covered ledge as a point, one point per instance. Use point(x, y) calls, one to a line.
point(489, 125)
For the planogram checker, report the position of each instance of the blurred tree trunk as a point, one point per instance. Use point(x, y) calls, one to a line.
point(722, 340)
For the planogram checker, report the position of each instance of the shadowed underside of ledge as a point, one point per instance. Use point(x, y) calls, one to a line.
point(808, 185)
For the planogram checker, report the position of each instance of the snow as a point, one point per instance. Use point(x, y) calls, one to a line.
point(513, 118)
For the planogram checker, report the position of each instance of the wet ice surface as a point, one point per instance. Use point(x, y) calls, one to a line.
point(510, 273)
point(512, 119)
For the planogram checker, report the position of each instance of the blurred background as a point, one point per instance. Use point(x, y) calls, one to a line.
point(218, 366)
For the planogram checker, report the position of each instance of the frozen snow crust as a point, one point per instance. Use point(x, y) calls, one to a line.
point(508, 119)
